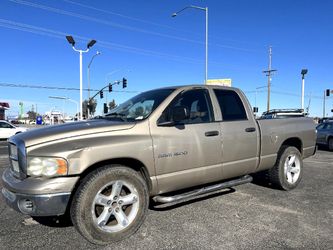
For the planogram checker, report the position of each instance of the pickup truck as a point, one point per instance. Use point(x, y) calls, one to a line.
point(161, 146)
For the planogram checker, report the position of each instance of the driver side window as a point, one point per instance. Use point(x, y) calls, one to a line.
point(197, 104)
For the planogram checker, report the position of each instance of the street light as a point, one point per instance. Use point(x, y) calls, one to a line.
point(206, 43)
point(303, 73)
point(67, 99)
point(255, 99)
point(97, 53)
point(71, 41)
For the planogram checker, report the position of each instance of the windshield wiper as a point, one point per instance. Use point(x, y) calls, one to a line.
point(116, 115)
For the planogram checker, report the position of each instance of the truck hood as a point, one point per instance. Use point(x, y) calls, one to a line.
point(75, 129)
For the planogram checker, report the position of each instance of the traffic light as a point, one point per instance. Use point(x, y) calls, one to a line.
point(328, 92)
point(124, 82)
point(105, 108)
point(101, 94)
point(110, 87)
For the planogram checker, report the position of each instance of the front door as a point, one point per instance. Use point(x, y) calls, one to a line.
point(188, 154)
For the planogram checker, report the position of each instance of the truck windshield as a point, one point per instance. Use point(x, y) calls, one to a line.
point(140, 106)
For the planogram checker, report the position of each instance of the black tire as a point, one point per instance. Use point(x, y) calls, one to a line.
point(330, 144)
point(278, 175)
point(84, 200)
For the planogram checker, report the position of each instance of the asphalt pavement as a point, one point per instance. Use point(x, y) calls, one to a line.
point(251, 216)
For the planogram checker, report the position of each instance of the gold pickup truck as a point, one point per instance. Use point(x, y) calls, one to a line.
point(104, 172)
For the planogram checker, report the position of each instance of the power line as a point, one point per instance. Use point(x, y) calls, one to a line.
point(97, 20)
point(60, 35)
point(116, 25)
point(18, 85)
point(124, 16)
point(113, 46)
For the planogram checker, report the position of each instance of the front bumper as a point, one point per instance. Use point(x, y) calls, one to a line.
point(37, 196)
point(37, 205)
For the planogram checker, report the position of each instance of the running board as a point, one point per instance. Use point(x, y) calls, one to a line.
point(203, 190)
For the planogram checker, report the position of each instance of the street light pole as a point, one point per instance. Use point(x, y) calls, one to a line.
point(70, 39)
point(67, 99)
point(97, 53)
point(303, 72)
point(81, 84)
point(255, 100)
point(206, 36)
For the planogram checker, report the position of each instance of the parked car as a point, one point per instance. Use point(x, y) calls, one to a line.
point(325, 134)
point(105, 171)
point(7, 129)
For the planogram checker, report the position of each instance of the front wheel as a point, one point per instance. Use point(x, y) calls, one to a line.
point(288, 169)
point(110, 204)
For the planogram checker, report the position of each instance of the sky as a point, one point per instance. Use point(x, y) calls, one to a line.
point(139, 40)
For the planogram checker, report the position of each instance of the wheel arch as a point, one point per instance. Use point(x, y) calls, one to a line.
point(128, 162)
point(293, 142)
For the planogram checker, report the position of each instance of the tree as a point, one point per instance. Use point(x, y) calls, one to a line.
point(112, 104)
point(92, 107)
point(32, 115)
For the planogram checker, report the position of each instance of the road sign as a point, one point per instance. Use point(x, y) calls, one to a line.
point(39, 120)
point(221, 82)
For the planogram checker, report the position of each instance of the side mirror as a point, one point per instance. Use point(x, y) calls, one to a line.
point(255, 109)
point(179, 114)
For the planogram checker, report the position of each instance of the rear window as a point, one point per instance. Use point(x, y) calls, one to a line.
point(231, 105)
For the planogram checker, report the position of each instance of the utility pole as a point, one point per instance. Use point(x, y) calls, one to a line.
point(324, 104)
point(269, 74)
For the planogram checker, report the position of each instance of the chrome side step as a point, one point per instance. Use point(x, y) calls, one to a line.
point(203, 190)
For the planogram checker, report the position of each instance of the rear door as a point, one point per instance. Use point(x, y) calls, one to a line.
point(240, 138)
point(189, 154)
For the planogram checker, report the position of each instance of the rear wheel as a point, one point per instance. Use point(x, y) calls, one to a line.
point(330, 144)
point(110, 204)
point(288, 170)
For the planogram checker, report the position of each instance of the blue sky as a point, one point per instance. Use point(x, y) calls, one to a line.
point(140, 40)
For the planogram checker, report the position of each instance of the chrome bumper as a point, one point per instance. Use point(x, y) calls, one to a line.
point(37, 205)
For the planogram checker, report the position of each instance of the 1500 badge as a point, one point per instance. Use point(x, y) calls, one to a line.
point(167, 155)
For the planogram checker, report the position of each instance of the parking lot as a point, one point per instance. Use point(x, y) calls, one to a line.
point(251, 216)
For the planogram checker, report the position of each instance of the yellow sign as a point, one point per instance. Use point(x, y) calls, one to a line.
point(221, 82)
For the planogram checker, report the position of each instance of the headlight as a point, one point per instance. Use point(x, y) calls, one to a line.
point(46, 166)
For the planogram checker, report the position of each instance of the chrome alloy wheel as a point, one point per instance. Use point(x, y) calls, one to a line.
point(292, 168)
point(115, 206)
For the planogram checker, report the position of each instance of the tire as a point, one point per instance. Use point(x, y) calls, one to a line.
point(288, 169)
point(330, 144)
point(110, 204)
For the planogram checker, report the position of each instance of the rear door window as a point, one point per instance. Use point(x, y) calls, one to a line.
point(231, 105)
